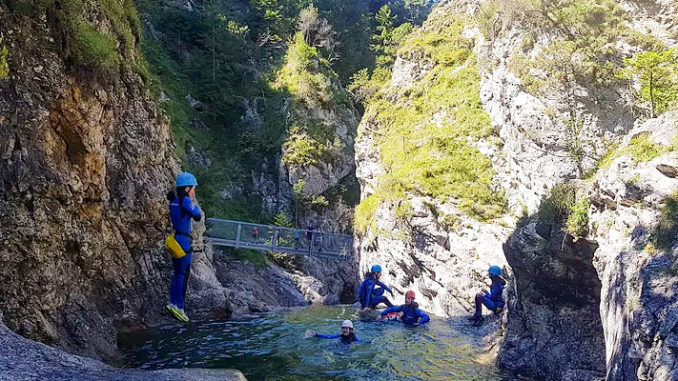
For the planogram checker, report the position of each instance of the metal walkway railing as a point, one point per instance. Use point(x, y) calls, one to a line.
point(245, 235)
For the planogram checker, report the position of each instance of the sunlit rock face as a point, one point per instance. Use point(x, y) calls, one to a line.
point(606, 306)
point(85, 165)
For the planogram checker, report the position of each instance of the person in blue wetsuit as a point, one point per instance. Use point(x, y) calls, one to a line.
point(369, 294)
point(493, 300)
point(182, 211)
point(347, 336)
point(410, 312)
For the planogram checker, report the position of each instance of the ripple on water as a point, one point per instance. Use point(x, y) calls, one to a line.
point(271, 346)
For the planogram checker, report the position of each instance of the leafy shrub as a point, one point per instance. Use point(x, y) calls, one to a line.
point(642, 149)
point(281, 219)
point(301, 149)
point(578, 221)
point(364, 213)
point(563, 207)
point(4, 67)
point(305, 74)
point(667, 229)
point(90, 47)
point(403, 210)
point(557, 206)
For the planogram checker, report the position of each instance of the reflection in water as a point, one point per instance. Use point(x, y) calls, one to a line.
point(272, 346)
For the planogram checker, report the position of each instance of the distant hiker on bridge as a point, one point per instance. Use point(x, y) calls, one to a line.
point(410, 313)
point(347, 336)
point(370, 295)
point(493, 300)
point(255, 234)
point(297, 237)
point(182, 210)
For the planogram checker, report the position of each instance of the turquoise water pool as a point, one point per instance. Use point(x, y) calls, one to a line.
point(271, 346)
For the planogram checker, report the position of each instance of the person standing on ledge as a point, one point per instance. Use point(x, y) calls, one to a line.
point(182, 209)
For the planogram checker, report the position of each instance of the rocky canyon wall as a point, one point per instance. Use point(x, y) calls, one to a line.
point(86, 162)
point(571, 299)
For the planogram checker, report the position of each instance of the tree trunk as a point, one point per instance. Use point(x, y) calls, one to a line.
point(651, 95)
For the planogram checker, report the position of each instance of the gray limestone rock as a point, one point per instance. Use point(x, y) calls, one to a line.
point(26, 360)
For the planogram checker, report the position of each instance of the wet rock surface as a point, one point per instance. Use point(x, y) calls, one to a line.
point(26, 360)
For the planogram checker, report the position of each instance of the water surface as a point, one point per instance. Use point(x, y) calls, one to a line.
point(271, 346)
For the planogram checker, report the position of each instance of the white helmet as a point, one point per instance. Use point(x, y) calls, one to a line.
point(347, 323)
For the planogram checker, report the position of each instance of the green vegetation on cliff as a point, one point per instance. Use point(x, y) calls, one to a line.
point(585, 52)
point(563, 207)
point(254, 67)
point(90, 42)
point(4, 67)
point(657, 73)
point(666, 230)
point(424, 133)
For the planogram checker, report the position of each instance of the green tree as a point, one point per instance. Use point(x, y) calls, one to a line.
point(317, 31)
point(385, 21)
point(657, 74)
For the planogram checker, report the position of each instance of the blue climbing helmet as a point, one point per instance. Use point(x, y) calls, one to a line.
point(375, 269)
point(494, 270)
point(186, 179)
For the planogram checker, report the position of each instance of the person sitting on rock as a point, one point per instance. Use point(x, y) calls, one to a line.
point(493, 300)
point(410, 312)
point(347, 336)
point(370, 295)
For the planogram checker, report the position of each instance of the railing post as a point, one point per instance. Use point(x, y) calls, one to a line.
point(310, 249)
point(237, 237)
point(275, 238)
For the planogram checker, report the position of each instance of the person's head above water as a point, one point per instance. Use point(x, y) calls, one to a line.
point(409, 297)
point(346, 328)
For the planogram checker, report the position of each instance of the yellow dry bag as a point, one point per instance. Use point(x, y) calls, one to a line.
point(173, 247)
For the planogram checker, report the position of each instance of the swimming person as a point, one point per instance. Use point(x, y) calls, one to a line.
point(410, 312)
point(347, 336)
point(493, 300)
point(182, 210)
point(370, 295)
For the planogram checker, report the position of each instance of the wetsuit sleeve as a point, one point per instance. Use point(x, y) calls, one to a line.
point(423, 317)
point(391, 309)
point(357, 340)
point(336, 336)
point(385, 287)
point(191, 209)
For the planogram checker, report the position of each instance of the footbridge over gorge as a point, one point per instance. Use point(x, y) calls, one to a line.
point(245, 235)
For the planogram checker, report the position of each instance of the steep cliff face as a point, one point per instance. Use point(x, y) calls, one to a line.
point(555, 304)
point(86, 161)
point(549, 104)
point(615, 289)
point(431, 212)
point(633, 220)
